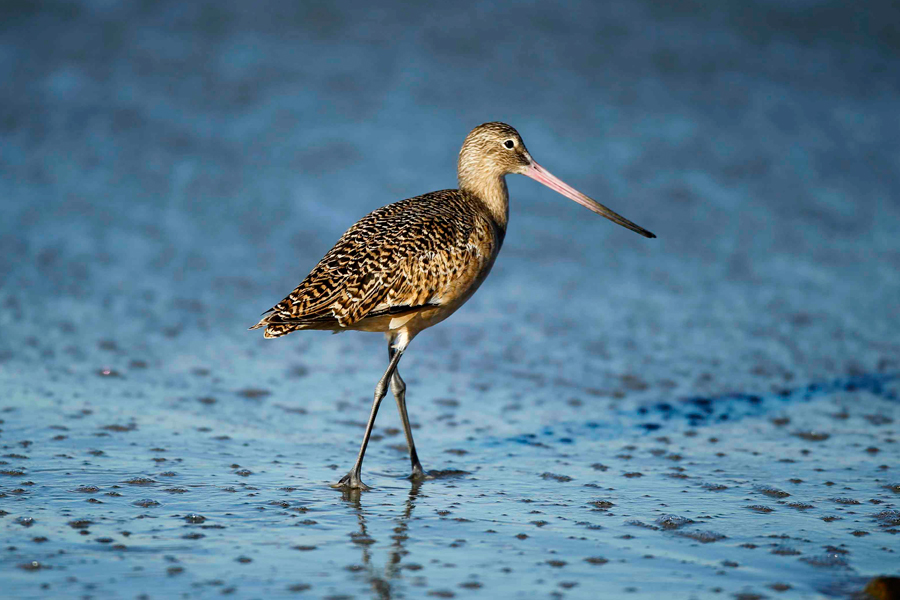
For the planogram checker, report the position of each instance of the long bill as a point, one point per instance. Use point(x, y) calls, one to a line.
point(539, 173)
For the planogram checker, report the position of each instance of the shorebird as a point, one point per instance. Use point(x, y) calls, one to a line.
point(411, 264)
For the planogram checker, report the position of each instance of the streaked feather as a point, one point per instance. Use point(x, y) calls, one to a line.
point(402, 256)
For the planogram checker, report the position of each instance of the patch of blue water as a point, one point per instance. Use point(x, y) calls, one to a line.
point(703, 411)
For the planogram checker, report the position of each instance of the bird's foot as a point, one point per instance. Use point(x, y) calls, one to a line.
point(351, 481)
point(418, 473)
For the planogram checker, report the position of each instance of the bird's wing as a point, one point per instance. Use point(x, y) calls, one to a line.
point(403, 254)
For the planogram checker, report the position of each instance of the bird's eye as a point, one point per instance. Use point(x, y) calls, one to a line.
point(509, 144)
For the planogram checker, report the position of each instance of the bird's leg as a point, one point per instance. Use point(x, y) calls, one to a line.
point(398, 388)
point(352, 479)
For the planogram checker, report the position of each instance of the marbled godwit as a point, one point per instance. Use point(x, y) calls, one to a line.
point(411, 264)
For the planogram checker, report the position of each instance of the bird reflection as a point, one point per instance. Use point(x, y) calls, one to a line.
point(382, 582)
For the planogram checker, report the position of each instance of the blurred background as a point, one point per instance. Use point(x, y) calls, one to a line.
point(169, 170)
point(176, 168)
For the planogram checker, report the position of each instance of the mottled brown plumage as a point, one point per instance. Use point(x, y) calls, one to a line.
point(409, 265)
point(399, 258)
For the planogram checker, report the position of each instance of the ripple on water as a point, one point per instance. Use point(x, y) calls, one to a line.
point(194, 518)
point(80, 523)
point(87, 489)
point(556, 477)
point(140, 481)
point(704, 537)
point(146, 503)
point(772, 492)
point(888, 518)
point(671, 522)
point(826, 561)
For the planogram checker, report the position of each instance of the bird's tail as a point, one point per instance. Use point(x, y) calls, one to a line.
point(277, 324)
point(274, 325)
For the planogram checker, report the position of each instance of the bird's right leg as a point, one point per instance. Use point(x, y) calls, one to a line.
point(398, 388)
point(352, 480)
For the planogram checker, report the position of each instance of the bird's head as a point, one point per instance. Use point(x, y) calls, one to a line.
point(494, 150)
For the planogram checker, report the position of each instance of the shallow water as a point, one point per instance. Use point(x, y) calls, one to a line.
point(182, 494)
point(709, 414)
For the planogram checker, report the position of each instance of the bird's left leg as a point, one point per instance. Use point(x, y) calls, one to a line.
point(352, 480)
point(398, 388)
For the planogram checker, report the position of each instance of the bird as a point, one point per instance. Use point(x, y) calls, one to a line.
point(411, 264)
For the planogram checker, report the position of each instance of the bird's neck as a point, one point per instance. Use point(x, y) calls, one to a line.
point(493, 194)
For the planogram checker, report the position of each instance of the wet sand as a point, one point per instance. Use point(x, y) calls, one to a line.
point(148, 487)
